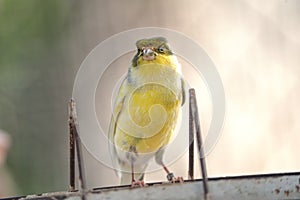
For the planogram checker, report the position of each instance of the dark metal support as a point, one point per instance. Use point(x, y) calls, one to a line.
point(82, 181)
point(74, 131)
point(195, 116)
point(72, 156)
point(191, 143)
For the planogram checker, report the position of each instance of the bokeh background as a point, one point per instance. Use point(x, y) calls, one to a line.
point(255, 46)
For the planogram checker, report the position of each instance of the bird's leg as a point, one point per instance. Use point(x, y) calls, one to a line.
point(135, 183)
point(132, 172)
point(171, 177)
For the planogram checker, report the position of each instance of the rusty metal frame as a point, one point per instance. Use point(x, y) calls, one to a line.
point(75, 144)
point(194, 125)
point(191, 143)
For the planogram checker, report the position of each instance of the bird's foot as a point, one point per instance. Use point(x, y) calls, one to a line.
point(173, 179)
point(138, 183)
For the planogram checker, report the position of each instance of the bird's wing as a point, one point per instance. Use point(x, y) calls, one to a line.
point(113, 122)
point(182, 92)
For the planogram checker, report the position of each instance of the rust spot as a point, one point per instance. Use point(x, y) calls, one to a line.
point(277, 191)
point(286, 192)
point(298, 188)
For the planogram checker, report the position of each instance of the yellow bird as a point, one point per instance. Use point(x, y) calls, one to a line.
point(146, 111)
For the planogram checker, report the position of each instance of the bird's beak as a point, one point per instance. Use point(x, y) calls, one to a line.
point(148, 54)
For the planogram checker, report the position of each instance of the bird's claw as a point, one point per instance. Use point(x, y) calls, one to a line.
point(173, 179)
point(137, 183)
point(179, 179)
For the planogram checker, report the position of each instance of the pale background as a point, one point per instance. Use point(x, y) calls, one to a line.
point(255, 46)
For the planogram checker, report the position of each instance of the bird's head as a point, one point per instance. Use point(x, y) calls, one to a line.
point(154, 51)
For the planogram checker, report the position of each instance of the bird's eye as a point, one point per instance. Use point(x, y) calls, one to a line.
point(161, 49)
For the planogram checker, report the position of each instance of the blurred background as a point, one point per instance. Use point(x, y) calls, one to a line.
point(255, 46)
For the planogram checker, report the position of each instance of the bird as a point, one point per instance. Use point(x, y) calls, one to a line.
point(146, 111)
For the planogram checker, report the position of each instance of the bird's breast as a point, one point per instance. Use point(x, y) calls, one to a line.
point(150, 111)
point(155, 98)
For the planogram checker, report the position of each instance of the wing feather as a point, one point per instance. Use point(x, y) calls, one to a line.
point(119, 103)
point(182, 92)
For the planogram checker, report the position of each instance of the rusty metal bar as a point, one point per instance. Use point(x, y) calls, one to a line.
point(72, 155)
point(74, 123)
point(195, 117)
point(82, 181)
point(191, 143)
